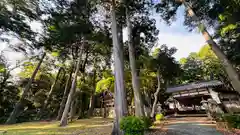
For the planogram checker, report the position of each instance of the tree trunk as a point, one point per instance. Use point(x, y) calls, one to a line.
point(92, 98)
point(120, 95)
point(231, 72)
point(104, 109)
point(115, 130)
point(135, 81)
point(81, 106)
point(51, 91)
point(66, 91)
point(16, 110)
point(156, 94)
point(73, 109)
point(116, 125)
point(91, 105)
point(64, 118)
point(147, 105)
point(101, 107)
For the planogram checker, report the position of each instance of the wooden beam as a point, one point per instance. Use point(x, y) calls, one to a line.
point(208, 90)
point(197, 91)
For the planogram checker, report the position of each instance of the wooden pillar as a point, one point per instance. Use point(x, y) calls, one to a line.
point(105, 109)
point(101, 108)
point(175, 108)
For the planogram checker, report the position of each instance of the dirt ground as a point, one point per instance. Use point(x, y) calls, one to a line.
point(100, 126)
point(94, 126)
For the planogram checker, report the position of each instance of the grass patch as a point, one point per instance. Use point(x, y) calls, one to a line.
point(52, 128)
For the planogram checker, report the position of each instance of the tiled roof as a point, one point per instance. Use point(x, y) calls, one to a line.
point(196, 85)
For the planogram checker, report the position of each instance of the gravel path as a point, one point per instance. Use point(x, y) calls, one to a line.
point(191, 129)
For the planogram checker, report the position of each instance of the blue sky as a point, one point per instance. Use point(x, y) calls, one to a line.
point(178, 36)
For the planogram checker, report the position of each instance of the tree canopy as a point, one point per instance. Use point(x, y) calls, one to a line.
point(81, 53)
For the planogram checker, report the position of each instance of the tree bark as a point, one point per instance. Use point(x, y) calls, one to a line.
point(120, 95)
point(115, 130)
point(81, 106)
point(231, 72)
point(116, 125)
point(92, 98)
point(147, 105)
point(66, 91)
point(73, 109)
point(91, 105)
point(156, 94)
point(51, 91)
point(64, 119)
point(135, 79)
point(16, 110)
point(104, 109)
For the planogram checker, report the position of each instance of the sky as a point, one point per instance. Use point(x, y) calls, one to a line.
point(11, 55)
point(175, 35)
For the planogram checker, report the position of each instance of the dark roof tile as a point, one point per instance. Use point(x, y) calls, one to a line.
point(196, 85)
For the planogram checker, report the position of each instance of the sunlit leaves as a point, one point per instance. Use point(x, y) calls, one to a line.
point(205, 52)
point(182, 61)
point(55, 54)
point(228, 28)
point(29, 67)
point(222, 17)
point(201, 27)
point(52, 28)
point(155, 53)
point(203, 65)
point(2, 68)
point(106, 84)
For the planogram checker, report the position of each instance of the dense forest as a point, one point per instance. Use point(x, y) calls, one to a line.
point(80, 53)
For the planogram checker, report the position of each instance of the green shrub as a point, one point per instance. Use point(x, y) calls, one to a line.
point(159, 117)
point(147, 122)
point(233, 120)
point(219, 117)
point(132, 125)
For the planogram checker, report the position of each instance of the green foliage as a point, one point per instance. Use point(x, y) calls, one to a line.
point(203, 65)
point(228, 28)
point(132, 125)
point(159, 117)
point(182, 61)
point(222, 17)
point(201, 28)
point(155, 53)
point(55, 54)
point(147, 122)
point(219, 118)
point(29, 67)
point(2, 68)
point(164, 61)
point(15, 16)
point(206, 52)
point(105, 84)
point(233, 120)
point(8, 89)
